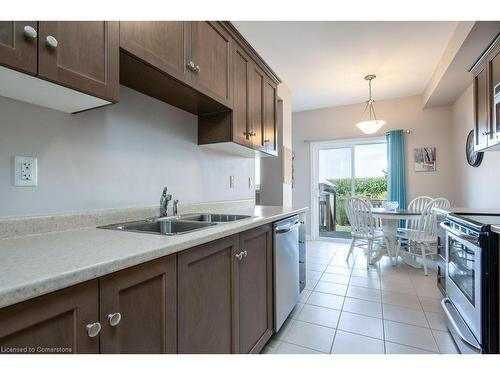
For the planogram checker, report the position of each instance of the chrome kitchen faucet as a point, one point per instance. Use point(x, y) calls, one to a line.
point(164, 201)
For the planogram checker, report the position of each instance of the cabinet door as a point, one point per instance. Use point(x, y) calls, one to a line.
point(257, 107)
point(53, 323)
point(270, 128)
point(241, 115)
point(86, 57)
point(255, 284)
point(17, 50)
point(145, 297)
point(211, 56)
point(161, 44)
point(493, 62)
point(207, 318)
point(482, 130)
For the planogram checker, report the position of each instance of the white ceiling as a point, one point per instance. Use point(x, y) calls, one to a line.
point(324, 63)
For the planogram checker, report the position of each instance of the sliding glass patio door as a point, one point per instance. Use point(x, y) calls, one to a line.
point(342, 169)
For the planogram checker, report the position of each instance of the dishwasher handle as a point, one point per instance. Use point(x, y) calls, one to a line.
point(287, 229)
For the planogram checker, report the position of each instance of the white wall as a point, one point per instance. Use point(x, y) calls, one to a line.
point(476, 187)
point(430, 127)
point(118, 156)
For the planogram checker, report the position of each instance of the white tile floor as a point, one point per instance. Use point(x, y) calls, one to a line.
point(347, 309)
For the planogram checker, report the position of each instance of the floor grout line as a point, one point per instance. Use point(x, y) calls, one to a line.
point(382, 271)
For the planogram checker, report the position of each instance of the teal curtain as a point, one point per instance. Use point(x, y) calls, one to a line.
point(396, 167)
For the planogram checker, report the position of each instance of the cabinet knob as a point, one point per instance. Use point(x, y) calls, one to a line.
point(29, 32)
point(245, 253)
point(51, 41)
point(114, 319)
point(197, 69)
point(267, 140)
point(240, 255)
point(190, 66)
point(93, 329)
point(252, 134)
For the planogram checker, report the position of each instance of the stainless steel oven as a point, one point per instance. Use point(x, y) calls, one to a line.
point(471, 302)
point(463, 287)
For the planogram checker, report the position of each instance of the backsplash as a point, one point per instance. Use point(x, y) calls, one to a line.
point(118, 156)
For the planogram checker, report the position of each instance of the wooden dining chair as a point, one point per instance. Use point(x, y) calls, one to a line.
point(363, 228)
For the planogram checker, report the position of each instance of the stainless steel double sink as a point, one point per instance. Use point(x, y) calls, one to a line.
point(171, 226)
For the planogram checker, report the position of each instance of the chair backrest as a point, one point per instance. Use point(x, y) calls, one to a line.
point(441, 203)
point(427, 223)
point(417, 204)
point(359, 213)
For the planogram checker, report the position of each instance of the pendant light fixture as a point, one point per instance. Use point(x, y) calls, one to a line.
point(371, 125)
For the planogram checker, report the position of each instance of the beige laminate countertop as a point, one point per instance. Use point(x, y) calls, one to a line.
point(31, 266)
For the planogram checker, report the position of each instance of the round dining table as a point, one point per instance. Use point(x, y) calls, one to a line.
point(390, 222)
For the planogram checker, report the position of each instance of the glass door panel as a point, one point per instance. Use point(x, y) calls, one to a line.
point(370, 171)
point(335, 186)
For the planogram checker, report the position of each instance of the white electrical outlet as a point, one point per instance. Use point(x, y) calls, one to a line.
point(25, 171)
point(231, 182)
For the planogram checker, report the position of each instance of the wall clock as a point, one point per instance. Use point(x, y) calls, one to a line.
point(474, 158)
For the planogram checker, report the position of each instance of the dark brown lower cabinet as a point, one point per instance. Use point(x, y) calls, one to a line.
point(53, 323)
point(255, 289)
point(207, 318)
point(225, 294)
point(145, 298)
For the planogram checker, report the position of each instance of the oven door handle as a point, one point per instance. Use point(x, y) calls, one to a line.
point(456, 233)
point(462, 337)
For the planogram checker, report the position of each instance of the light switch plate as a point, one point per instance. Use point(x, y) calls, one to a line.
point(25, 171)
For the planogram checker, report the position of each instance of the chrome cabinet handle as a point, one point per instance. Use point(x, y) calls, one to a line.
point(114, 319)
point(252, 134)
point(93, 329)
point(267, 140)
point(197, 69)
point(190, 66)
point(240, 255)
point(29, 32)
point(51, 41)
point(245, 253)
point(486, 133)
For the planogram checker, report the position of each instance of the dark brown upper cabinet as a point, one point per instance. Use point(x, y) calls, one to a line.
point(67, 66)
point(210, 61)
point(18, 45)
point(65, 319)
point(186, 64)
point(81, 55)
point(270, 131)
point(255, 289)
point(257, 107)
point(493, 64)
point(241, 81)
point(161, 44)
point(206, 68)
point(480, 88)
point(138, 308)
point(486, 83)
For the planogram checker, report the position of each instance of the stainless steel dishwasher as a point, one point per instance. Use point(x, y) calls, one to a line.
point(286, 268)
